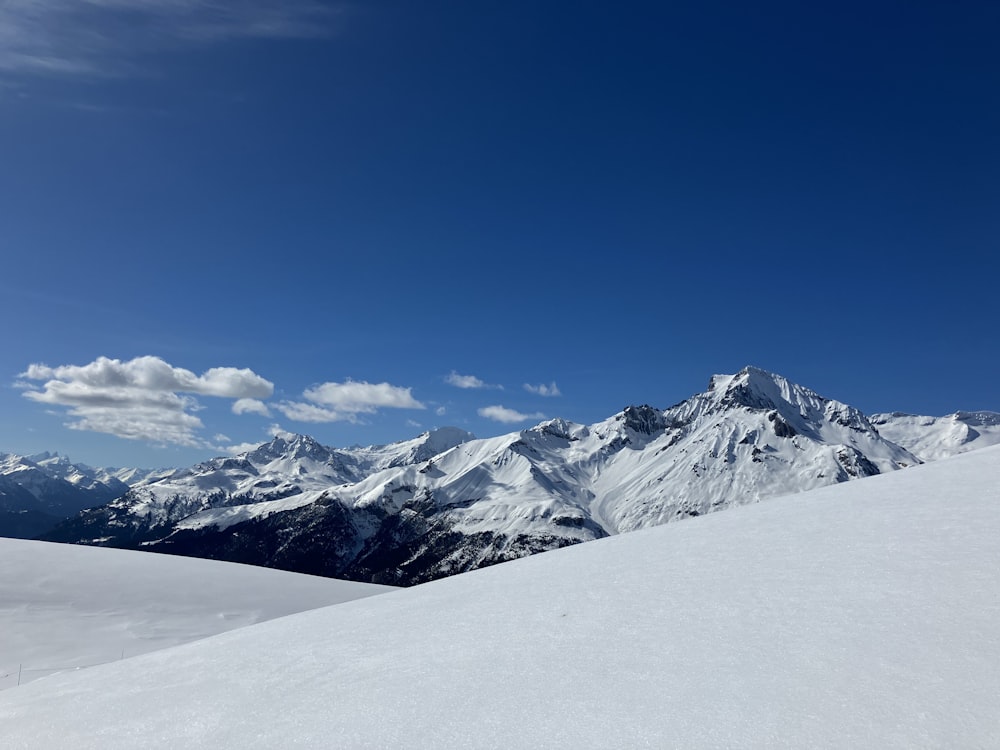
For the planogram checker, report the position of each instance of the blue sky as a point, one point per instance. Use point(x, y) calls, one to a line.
point(330, 217)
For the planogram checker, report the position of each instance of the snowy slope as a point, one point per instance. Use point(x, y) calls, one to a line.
point(135, 477)
point(931, 438)
point(64, 606)
point(858, 615)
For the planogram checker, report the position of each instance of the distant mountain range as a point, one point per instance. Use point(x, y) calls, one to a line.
point(446, 502)
point(36, 492)
point(931, 438)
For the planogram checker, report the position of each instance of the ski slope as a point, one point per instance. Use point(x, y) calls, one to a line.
point(65, 606)
point(860, 615)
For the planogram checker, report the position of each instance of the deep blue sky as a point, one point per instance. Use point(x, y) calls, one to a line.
point(618, 198)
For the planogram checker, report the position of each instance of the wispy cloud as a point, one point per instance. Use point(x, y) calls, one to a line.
point(114, 37)
point(140, 399)
point(543, 390)
point(468, 381)
point(339, 402)
point(507, 416)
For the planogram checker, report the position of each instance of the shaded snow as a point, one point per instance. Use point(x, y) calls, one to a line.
point(857, 615)
point(65, 606)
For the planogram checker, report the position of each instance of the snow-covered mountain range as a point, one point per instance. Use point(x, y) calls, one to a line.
point(38, 491)
point(445, 502)
point(931, 438)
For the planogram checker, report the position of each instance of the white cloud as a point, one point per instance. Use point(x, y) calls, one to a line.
point(116, 37)
point(507, 416)
point(543, 390)
point(155, 423)
point(251, 406)
point(463, 381)
point(360, 396)
point(342, 402)
point(235, 450)
point(300, 412)
point(468, 381)
point(440, 411)
point(154, 375)
point(139, 399)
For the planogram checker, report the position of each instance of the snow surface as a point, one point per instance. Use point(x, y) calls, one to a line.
point(66, 606)
point(857, 615)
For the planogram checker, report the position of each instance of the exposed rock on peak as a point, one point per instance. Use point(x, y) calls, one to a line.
point(289, 445)
point(561, 428)
point(643, 419)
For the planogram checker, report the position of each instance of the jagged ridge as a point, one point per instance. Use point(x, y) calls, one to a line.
point(444, 502)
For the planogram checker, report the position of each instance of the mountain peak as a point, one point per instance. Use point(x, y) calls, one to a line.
point(290, 444)
point(644, 419)
point(748, 375)
point(426, 445)
point(759, 390)
point(561, 428)
point(751, 387)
